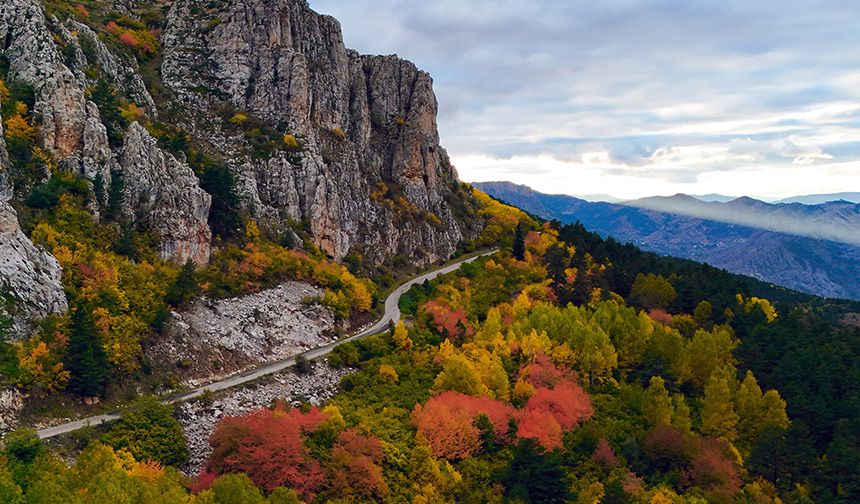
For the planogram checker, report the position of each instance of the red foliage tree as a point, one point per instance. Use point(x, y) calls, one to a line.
point(204, 481)
point(667, 447)
point(568, 403)
point(355, 467)
point(540, 425)
point(558, 404)
point(448, 322)
point(604, 455)
point(448, 422)
point(712, 470)
point(268, 445)
point(543, 373)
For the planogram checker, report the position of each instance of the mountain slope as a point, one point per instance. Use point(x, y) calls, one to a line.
point(186, 118)
point(817, 266)
point(368, 174)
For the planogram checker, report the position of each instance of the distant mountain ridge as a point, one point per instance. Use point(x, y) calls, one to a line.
point(836, 220)
point(817, 199)
point(823, 267)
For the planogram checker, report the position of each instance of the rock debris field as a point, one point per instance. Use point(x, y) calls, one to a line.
point(216, 338)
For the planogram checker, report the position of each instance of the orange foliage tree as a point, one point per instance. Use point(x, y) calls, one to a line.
point(447, 321)
point(355, 468)
point(447, 421)
point(558, 403)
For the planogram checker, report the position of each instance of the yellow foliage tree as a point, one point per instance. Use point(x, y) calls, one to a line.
point(523, 390)
point(388, 373)
point(18, 128)
point(401, 337)
point(718, 412)
point(40, 370)
point(657, 405)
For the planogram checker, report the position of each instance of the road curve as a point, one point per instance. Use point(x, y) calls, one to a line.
point(391, 314)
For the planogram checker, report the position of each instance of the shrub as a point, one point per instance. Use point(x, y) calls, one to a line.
point(303, 365)
point(82, 11)
point(148, 431)
point(239, 119)
point(291, 142)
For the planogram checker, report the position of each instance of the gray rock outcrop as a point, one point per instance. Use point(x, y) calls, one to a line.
point(163, 194)
point(266, 326)
point(167, 196)
point(70, 129)
point(29, 275)
point(371, 175)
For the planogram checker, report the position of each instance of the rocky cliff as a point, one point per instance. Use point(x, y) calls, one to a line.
point(29, 277)
point(350, 151)
point(369, 175)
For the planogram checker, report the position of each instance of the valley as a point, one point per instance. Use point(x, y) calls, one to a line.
point(722, 236)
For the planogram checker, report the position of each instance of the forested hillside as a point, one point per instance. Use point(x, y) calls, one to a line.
point(565, 368)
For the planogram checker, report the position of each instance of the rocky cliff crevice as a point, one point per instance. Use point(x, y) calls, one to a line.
point(162, 194)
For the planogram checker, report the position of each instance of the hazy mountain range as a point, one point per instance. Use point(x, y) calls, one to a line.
point(806, 199)
point(812, 248)
point(836, 220)
point(817, 199)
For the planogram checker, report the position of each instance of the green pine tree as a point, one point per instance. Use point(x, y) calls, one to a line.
point(86, 359)
point(519, 250)
point(224, 218)
point(115, 198)
point(534, 475)
point(99, 190)
point(184, 287)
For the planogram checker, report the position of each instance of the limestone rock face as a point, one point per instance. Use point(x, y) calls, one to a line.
point(371, 176)
point(163, 194)
point(29, 274)
point(70, 127)
point(122, 71)
point(368, 174)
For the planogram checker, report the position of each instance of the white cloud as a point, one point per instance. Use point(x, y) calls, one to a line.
point(549, 175)
point(634, 96)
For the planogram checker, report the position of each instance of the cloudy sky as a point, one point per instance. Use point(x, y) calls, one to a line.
point(634, 97)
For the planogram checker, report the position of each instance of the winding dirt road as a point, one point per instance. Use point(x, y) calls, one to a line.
point(391, 314)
